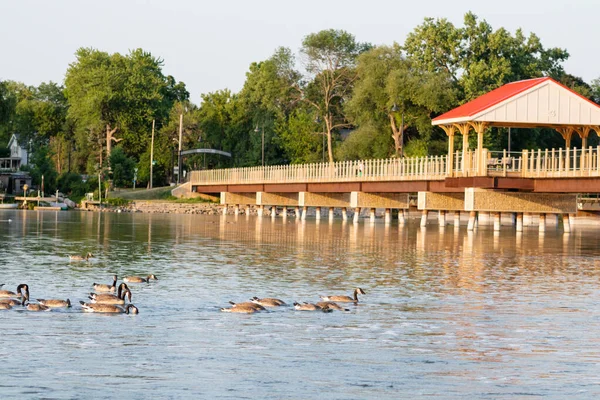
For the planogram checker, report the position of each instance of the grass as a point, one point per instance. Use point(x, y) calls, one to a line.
point(161, 193)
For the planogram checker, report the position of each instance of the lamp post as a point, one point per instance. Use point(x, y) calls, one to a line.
point(262, 141)
point(396, 109)
point(179, 169)
point(135, 170)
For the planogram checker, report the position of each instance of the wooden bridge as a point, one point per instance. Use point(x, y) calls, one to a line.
point(542, 181)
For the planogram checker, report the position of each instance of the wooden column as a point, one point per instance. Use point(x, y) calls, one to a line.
point(480, 127)
point(464, 130)
point(450, 129)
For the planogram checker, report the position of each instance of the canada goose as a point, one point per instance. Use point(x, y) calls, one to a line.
point(11, 302)
point(345, 299)
point(139, 279)
point(1, 284)
point(109, 308)
point(54, 303)
point(250, 304)
point(331, 305)
point(267, 302)
point(100, 287)
point(106, 298)
point(244, 308)
point(311, 307)
point(80, 258)
point(5, 306)
point(34, 306)
point(19, 292)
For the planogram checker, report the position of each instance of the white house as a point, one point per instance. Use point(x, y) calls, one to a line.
point(18, 155)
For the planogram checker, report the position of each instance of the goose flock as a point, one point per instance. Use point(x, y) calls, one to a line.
point(327, 304)
point(102, 300)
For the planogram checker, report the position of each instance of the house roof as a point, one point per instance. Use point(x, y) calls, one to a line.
point(531, 102)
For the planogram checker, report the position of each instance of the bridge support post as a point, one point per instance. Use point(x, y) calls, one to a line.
point(330, 214)
point(224, 209)
point(442, 218)
point(284, 212)
point(566, 223)
point(261, 211)
point(497, 221)
point(472, 218)
point(542, 224)
point(519, 222)
point(424, 218)
point(304, 210)
point(388, 216)
point(236, 210)
point(356, 215)
point(344, 214)
point(297, 212)
point(273, 211)
point(318, 213)
point(372, 216)
point(401, 217)
point(456, 219)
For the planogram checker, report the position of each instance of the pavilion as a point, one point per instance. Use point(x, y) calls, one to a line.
point(531, 103)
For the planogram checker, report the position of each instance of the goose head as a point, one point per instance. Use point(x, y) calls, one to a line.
point(131, 309)
point(23, 290)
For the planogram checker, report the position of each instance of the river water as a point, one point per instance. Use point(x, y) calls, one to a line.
point(447, 314)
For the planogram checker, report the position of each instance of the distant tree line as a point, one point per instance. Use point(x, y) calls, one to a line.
point(337, 99)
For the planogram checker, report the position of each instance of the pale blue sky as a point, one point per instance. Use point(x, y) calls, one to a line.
point(209, 45)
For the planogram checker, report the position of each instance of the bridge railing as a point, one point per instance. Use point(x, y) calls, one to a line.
point(415, 168)
point(549, 163)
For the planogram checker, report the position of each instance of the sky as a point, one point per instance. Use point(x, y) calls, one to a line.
point(209, 45)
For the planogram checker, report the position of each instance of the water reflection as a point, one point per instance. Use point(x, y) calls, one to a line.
point(448, 312)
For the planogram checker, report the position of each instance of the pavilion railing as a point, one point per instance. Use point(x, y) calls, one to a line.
point(561, 163)
point(414, 168)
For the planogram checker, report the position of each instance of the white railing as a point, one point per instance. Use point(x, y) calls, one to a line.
point(393, 169)
point(549, 163)
point(561, 163)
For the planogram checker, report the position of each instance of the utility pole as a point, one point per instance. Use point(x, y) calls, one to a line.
point(151, 154)
point(179, 169)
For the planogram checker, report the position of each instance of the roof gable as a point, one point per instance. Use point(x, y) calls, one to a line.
point(541, 101)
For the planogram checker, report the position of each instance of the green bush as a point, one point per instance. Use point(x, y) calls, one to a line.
point(117, 202)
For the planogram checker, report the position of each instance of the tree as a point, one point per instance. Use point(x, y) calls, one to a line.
point(478, 58)
point(392, 95)
point(121, 167)
point(329, 59)
point(113, 95)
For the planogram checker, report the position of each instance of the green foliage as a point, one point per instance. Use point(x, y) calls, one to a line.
point(71, 184)
point(391, 95)
point(42, 167)
point(366, 142)
point(300, 138)
point(122, 168)
point(478, 58)
point(117, 201)
point(108, 91)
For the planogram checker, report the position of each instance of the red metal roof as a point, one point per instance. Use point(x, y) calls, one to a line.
point(492, 98)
